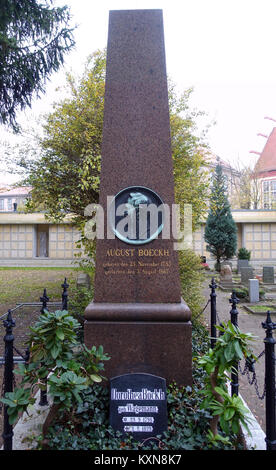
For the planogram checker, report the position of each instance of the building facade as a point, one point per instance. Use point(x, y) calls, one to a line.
point(256, 231)
point(30, 240)
point(264, 175)
point(231, 175)
point(13, 199)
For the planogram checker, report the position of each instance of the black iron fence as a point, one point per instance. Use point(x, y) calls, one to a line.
point(269, 392)
point(10, 359)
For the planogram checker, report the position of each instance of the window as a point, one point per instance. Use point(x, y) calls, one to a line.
point(269, 194)
point(9, 204)
point(1, 204)
point(273, 191)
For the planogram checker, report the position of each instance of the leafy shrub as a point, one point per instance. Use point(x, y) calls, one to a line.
point(56, 356)
point(227, 411)
point(262, 293)
point(242, 293)
point(191, 278)
point(80, 297)
point(243, 253)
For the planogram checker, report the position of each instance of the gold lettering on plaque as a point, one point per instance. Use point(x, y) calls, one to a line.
point(153, 252)
point(120, 252)
point(121, 261)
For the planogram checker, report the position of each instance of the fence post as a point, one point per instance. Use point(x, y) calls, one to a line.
point(269, 341)
point(44, 299)
point(8, 378)
point(43, 393)
point(65, 295)
point(234, 320)
point(213, 298)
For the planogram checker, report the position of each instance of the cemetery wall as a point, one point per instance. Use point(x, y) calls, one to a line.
point(36, 242)
point(256, 231)
point(19, 234)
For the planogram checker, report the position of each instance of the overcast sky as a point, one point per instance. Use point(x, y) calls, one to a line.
point(224, 49)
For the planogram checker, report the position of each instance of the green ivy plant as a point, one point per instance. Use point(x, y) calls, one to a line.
point(57, 360)
point(219, 362)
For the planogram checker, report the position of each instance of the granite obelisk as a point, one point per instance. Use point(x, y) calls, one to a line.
point(137, 313)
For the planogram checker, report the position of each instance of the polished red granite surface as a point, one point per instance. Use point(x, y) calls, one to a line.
point(136, 150)
point(137, 313)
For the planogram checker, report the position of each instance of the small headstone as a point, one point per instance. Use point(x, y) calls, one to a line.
point(83, 280)
point(246, 274)
point(242, 263)
point(227, 263)
point(225, 274)
point(254, 295)
point(138, 405)
point(268, 274)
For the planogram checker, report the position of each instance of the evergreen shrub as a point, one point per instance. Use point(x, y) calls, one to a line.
point(243, 253)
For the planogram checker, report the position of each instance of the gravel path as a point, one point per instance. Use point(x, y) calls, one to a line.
point(248, 323)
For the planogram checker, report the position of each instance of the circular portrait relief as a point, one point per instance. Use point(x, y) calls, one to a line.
point(136, 215)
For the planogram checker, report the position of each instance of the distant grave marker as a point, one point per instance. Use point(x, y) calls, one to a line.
point(246, 274)
point(254, 295)
point(242, 263)
point(268, 274)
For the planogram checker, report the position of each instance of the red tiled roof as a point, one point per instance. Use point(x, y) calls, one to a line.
point(267, 160)
point(21, 190)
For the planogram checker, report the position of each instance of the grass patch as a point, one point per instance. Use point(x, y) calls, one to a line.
point(41, 268)
point(19, 285)
point(261, 308)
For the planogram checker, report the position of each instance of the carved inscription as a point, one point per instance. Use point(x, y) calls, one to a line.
point(142, 261)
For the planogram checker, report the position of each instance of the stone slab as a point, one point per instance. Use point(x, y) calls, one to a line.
point(129, 391)
point(83, 280)
point(246, 274)
point(102, 311)
point(242, 263)
point(159, 348)
point(254, 295)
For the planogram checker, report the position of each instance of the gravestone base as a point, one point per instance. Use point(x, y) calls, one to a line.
point(162, 346)
point(227, 285)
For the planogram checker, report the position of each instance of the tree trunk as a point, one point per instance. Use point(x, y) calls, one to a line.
point(48, 421)
point(214, 421)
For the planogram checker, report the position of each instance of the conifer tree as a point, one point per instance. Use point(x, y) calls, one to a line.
point(220, 229)
point(34, 37)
